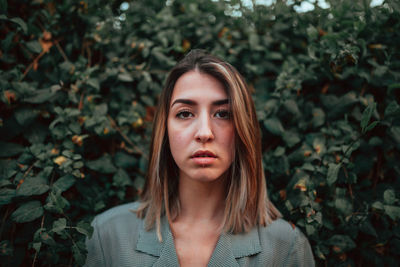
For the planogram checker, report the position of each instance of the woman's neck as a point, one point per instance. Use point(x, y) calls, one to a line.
point(201, 201)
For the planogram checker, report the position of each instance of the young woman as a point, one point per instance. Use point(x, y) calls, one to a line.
point(205, 199)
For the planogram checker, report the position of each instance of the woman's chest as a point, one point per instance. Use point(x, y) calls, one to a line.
point(195, 249)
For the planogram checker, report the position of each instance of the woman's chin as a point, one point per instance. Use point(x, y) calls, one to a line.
point(205, 176)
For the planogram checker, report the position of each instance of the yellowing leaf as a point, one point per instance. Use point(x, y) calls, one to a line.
point(60, 160)
point(45, 44)
point(78, 140)
point(138, 123)
point(185, 45)
point(10, 96)
point(301, 184)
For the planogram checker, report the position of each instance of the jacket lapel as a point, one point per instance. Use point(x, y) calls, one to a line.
point(148, 243)
point(222, 255)
point(246, 244)
point(168, 255)
point(229, 247)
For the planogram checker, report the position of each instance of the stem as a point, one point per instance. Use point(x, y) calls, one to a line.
point(348, 149)
point(61, 51)
point(36, 253)
point(80, 106)
point(28, 170)
point(31, 65)
point(115, 126)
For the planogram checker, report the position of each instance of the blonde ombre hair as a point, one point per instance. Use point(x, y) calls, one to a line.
point(247, 204)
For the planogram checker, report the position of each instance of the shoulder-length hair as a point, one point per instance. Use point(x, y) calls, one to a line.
point(247, 204)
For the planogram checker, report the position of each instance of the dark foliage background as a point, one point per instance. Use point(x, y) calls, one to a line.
point(79, 84)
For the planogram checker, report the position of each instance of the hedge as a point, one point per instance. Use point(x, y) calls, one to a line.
point(79, 85)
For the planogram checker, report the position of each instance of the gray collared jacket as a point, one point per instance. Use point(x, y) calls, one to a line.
point(120, 239)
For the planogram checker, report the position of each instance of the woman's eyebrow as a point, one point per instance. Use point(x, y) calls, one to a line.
point(193, 103)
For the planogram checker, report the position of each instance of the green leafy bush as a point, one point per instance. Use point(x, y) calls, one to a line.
point(79, 84)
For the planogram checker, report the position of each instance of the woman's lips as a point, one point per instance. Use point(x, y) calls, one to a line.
point(203, 157)
point(204, 160)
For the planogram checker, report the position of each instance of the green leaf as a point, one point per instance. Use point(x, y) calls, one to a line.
point(274, 126)
point(367, 228)
point(56, 203)
point(139, 183)
point(21, 23)
point(344, 206)
point(28, 212)
point(10, 149)
point(25, 116)
point(318, 117)
point(64, 183)
point(366, 116)
point(125, 77)
point(377, 205)
point(8, 168)
point(392, 109)
point(59, 225)
point(78, 255)
point(279, 151)
point(94, 83)
point(393, 86)
point(103, 165)
point(36, 246)
point(33, 186)
point(34, 46)
point(6, 195)
point(78, 165)
point(253, 40)
point(394, 132)
point(39, 96)
point(319, 253)
point(333, 171)
point(344, 242)
point(121, 178)
point(85, 228)
point(291, 106)
point(101, 110)
point(371, 126)
point(46, 238)
point(392, 211)
point(36, 133)
point(67, 67)
point(389, 196)
point(124, 160)
point(310, 229)
point(291, 138)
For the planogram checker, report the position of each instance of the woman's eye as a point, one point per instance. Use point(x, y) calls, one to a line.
point(223, 114)
point(184, 115)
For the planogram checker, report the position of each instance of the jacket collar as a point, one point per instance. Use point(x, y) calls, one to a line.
point(229, 247)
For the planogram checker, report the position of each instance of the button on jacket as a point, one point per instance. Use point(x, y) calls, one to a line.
point(120, 239)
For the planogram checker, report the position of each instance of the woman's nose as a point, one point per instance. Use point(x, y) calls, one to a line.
point(204, 130)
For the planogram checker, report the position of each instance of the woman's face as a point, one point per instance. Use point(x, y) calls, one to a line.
point(200, 128)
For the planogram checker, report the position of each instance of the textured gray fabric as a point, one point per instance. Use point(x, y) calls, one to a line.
point(120, 239)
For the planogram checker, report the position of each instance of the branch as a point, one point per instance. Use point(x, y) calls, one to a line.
point(41, 226)
point(31, 65)
point(115, 126)
point(61, 51)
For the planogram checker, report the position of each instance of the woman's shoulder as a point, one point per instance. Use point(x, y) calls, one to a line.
point(284, 240)
point(115, 232)
point(124, 213)
point(281, 230)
